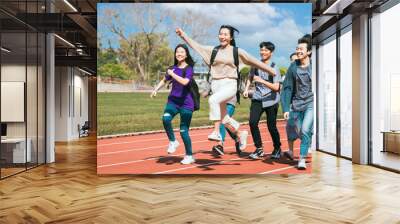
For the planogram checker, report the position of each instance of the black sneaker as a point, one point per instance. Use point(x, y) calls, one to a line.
point(237, 146)
point(258, 154)
point(276, 154)
point(289, 154)
point(218, 149)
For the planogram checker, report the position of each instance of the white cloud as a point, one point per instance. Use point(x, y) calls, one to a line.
point(236, 14)
point(285, 32)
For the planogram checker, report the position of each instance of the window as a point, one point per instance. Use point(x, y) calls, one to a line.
point(346, 92)
point(385, 84)
point(327, 95)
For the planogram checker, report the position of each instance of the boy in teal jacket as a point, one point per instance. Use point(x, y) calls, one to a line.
point(297, 99)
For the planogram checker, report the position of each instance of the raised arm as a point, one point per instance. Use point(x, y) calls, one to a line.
point(204, 51)
point(252, 61)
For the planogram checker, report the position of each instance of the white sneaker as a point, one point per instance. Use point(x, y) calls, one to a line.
point(172, 146)
point(302, 164)
point(230, 123)
point(188, 160)
point(243, 139)
point(214, 136)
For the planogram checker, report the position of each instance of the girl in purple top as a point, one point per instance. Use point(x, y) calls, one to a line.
point(180, 100)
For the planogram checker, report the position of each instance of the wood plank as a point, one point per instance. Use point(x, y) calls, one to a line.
point(70, 191)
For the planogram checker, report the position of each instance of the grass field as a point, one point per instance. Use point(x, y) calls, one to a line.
point(120, 113)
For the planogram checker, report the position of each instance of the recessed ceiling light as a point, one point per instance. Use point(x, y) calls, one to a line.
point(5, 49)
point(71, 6)
point(86, 72)
point(64, 40)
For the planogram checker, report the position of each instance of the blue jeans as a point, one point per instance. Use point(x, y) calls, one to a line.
point(303, 124)
point(230, 110)
point(186, 117)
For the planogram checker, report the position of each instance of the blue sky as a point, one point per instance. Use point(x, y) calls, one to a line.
point(280, 23)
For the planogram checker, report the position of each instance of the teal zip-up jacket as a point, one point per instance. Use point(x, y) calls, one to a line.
point(297, 88)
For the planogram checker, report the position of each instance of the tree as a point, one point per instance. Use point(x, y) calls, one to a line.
point(137, 50)
point(244, 72)
point(113, 70)
point(146, 49)
point(283, 70)
point(135, 53)
point(105, 56)
point(196, 24)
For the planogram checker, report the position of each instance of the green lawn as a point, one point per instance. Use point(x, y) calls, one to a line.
point(120, 113)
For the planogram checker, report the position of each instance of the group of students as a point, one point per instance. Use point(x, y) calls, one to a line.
point(294, 93)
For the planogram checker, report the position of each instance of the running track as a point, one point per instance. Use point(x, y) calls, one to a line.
point(146, 154)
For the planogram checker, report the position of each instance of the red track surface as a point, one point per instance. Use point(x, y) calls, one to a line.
point(146, 154)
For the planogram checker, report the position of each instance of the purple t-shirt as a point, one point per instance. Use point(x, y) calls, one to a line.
point(180, 95)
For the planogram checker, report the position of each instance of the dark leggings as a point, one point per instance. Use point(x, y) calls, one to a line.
point(186, 117)
point(256, 110)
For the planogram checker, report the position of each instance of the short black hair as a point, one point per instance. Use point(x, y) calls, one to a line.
point(306, 39)
point(293, 54)
point(270, 46)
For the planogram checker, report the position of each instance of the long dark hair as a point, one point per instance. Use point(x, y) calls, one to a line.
point(231, 32)
point(188, 60)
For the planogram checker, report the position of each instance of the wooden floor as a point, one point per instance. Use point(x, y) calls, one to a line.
point(70, 191)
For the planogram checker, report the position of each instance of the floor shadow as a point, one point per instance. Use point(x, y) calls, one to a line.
point(169, 160)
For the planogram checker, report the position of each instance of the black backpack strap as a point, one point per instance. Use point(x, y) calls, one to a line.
point(236, 58)
point(270, 77)
point(239, 80)
point(213, 55)
point(184, 71)
point(253, 72)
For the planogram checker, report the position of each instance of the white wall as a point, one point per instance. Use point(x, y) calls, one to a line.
point(62, 83)
point(12, 73)
point(71, 87)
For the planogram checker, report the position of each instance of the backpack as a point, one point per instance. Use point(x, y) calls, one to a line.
point(236, 62)
point(194, 90)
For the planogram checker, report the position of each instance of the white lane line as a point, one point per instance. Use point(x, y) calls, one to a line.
point(136, 161)
point(143, 160)
point(155, 139)
point(133, 150)
point(157, 147)
point(190, 167)
point(185, 168)
point(276, 170)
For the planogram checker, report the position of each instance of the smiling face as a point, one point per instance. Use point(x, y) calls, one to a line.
point(180, 54)
point(301, 51)
point(265, 54)
point(224, 37)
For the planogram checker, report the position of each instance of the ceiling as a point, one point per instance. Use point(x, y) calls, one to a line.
point(76, 22)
